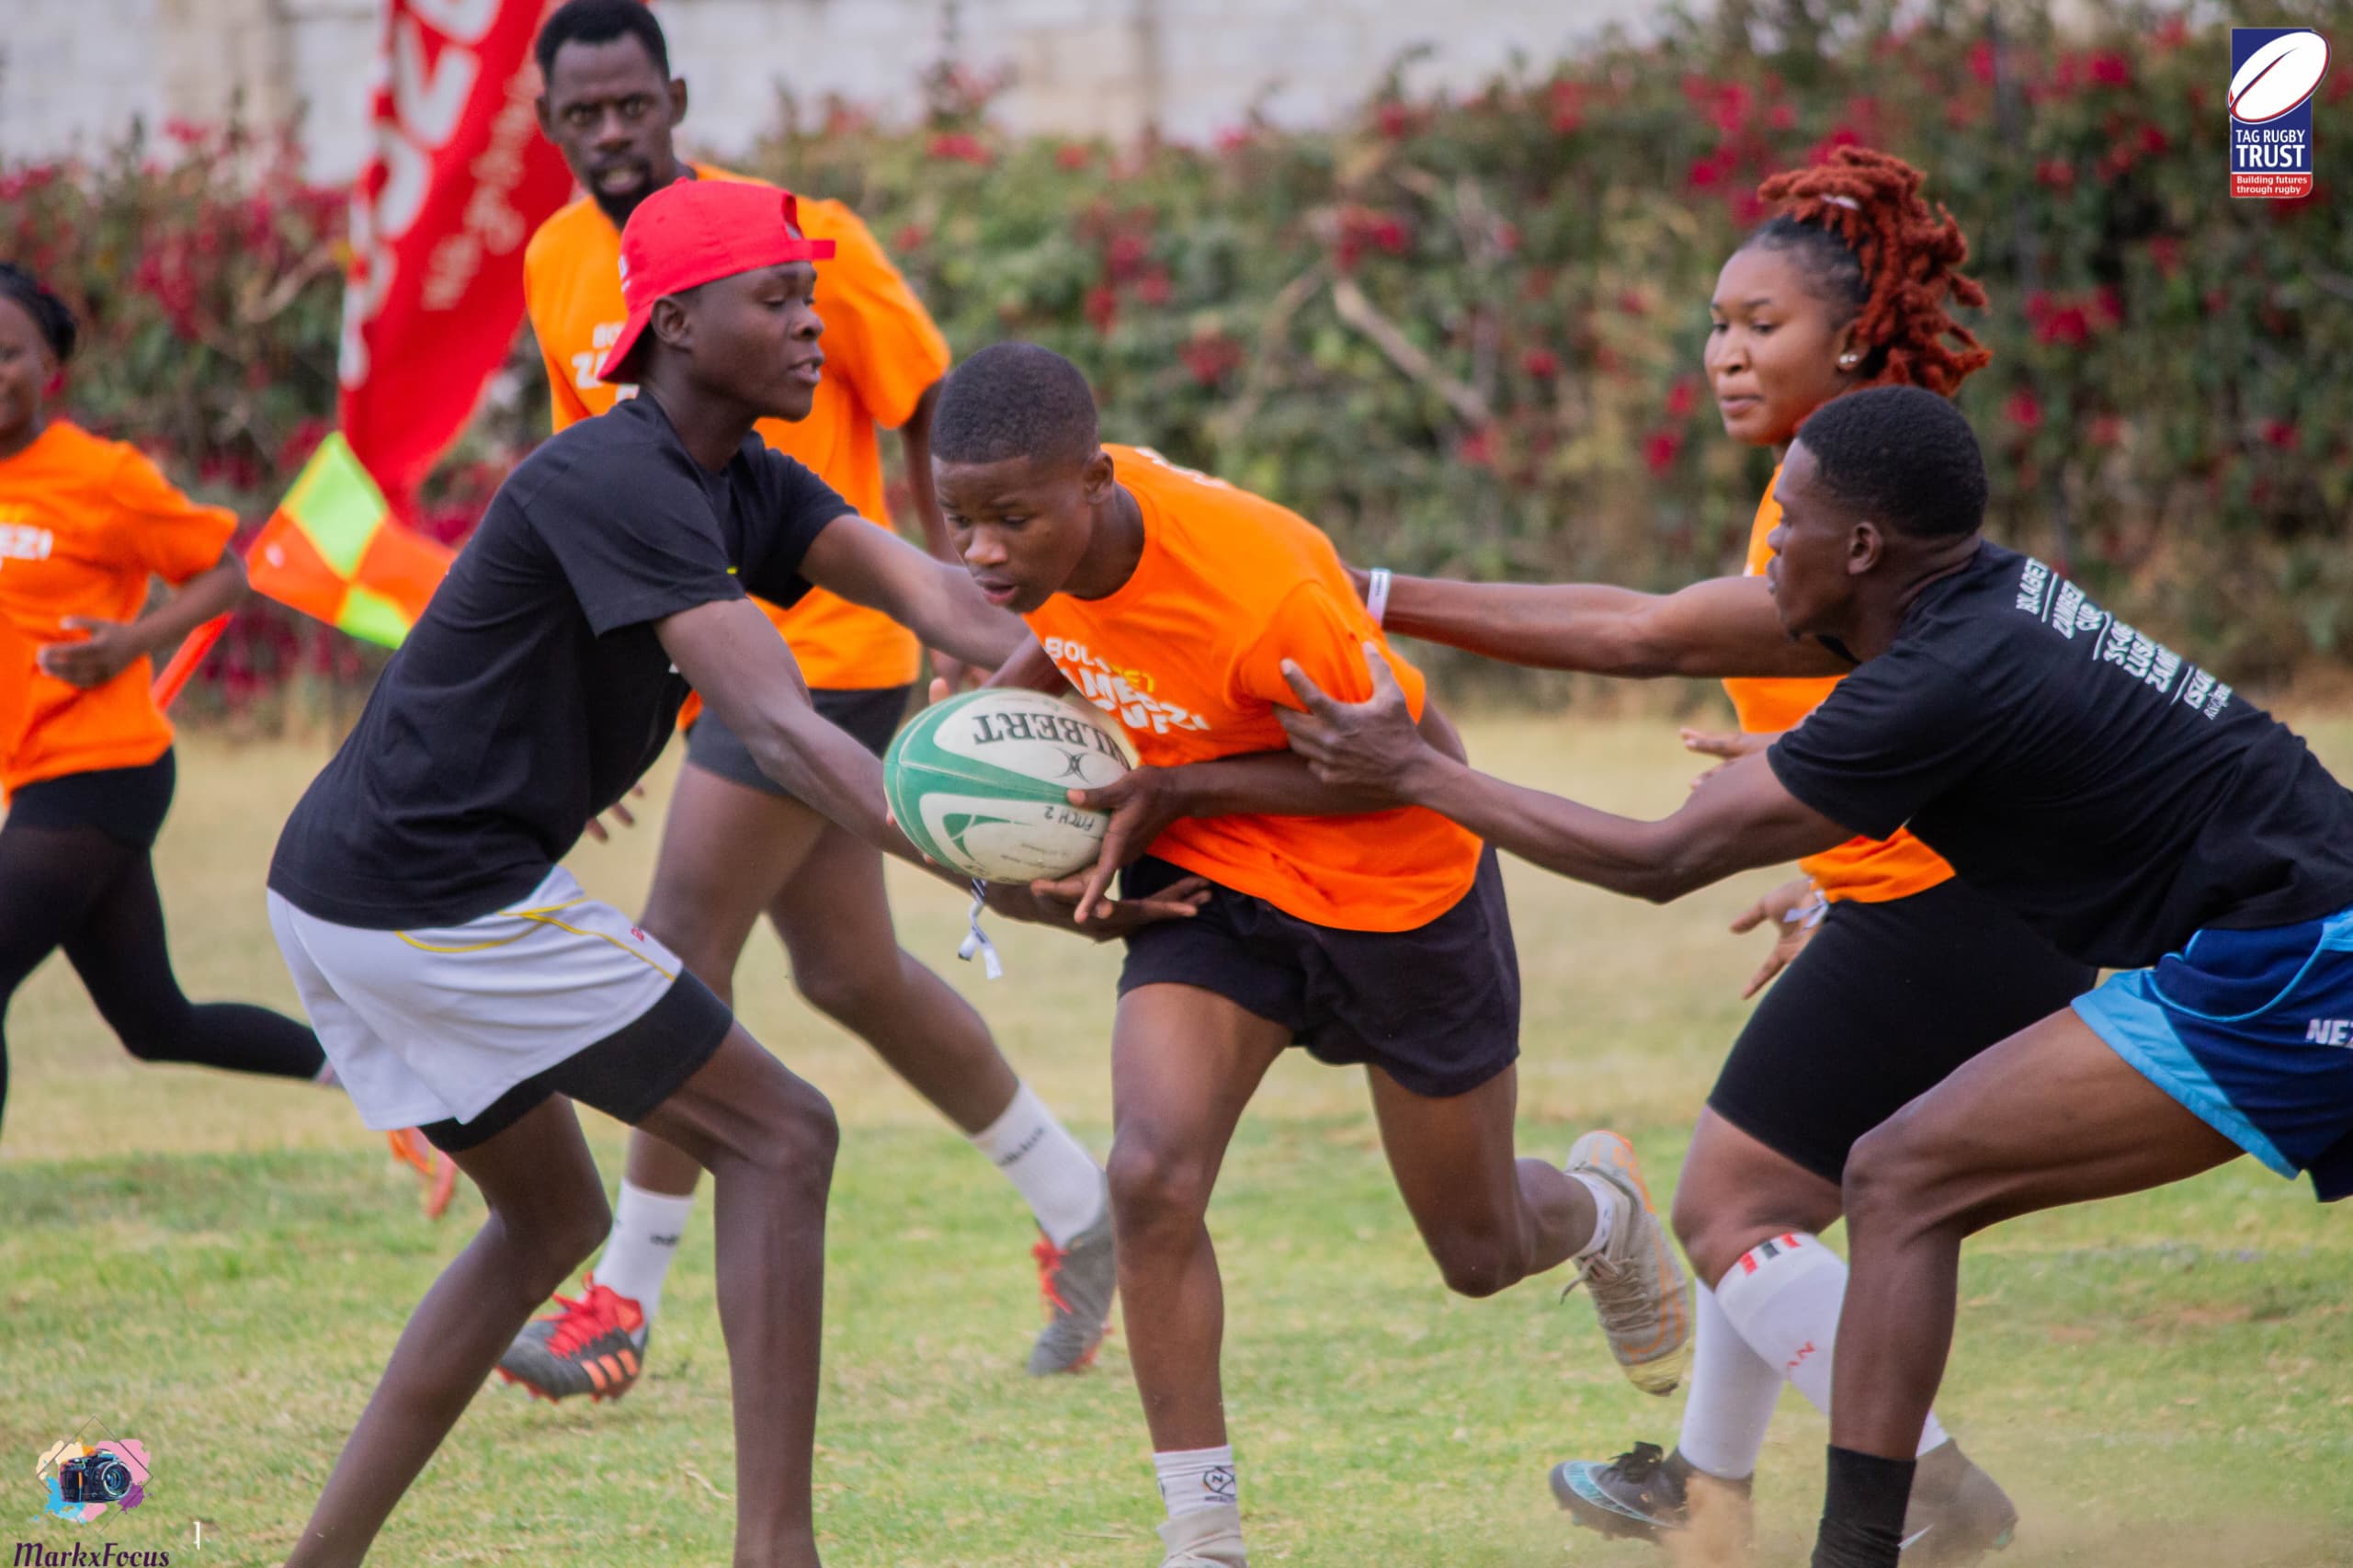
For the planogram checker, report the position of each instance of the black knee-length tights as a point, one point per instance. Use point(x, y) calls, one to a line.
point(93, 896)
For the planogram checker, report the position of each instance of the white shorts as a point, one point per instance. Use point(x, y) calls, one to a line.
point(436, 1025)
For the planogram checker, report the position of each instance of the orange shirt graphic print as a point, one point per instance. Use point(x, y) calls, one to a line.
point(1187, 654)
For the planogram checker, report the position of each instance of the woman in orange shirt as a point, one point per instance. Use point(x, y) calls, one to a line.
point(1845, 287)
point(85, 763)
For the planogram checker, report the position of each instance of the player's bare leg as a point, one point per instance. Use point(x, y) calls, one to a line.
point(547, 1213)
point(2051, 1116)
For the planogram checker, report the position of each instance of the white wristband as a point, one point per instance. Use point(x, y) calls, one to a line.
point(1376, 595)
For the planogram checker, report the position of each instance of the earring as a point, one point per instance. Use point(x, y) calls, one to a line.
point(1848, 361)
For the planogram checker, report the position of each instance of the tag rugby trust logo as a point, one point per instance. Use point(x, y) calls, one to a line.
point(2274, 73)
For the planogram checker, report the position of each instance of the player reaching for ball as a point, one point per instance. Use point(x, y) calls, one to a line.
point(1848, 285)
point(736, 844)
point(1372, 937)
point(2136, 810)
point(457, 976)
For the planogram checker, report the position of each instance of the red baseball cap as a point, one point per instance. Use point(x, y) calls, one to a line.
point(697, 231)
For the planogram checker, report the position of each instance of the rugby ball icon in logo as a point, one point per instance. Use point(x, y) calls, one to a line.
point(2278, 77)
point(981, 783)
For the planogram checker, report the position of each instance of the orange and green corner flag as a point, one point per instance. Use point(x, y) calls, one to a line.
point(333, 551)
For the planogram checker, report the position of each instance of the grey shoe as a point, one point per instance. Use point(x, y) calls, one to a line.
point(1206, 1537)
point(1639, 1290)
point(1956, 1515)
point(1078, 1282)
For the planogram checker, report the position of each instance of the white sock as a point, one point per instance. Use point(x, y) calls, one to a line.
point(1194, 1479)
point(1607, 1203)
point(646, 1228)
point(1048, 1166)
point(1733, 1391)
point(1783, 1296)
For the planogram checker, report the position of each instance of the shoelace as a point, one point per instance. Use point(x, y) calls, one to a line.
point(591, 1317)
point(1639, 1463)
point(1049, 1272)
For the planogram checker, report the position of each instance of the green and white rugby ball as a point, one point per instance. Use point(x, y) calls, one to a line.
point(981, 782)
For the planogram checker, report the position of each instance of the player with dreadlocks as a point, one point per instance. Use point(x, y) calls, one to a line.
point(1849, 284)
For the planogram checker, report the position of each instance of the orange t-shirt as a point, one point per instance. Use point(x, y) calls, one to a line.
point(1869, 871)
point(882, 352)
point(83, 524)
point(1188, 654)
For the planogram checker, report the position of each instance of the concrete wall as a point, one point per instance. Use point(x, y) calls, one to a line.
point(74, 73)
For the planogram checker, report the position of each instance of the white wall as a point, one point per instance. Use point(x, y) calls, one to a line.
point(75, 72)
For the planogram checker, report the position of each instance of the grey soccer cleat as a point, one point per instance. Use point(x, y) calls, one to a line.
point(1078, 1282)
point(1957, 1514)
point(1206, 1537)
point(594, 1345)
point(1639, 1290)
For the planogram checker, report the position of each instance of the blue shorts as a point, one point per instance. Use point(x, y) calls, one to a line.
point(2253, 1032)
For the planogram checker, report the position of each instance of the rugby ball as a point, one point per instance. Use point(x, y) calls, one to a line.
point(981, 782)
point(2278, 77)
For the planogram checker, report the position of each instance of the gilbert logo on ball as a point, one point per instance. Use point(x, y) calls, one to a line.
point(982, 783)
point(2274, 73)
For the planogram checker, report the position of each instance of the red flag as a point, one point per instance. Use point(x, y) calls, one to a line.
point(439, 219)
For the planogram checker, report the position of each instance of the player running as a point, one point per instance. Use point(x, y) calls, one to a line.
point(85, 758)
point(1376, 937)
point(737, 844)
point(458, 976)
point(1848, 285)
point(2134, 809)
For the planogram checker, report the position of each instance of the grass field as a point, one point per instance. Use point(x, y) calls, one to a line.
point(219, 1267)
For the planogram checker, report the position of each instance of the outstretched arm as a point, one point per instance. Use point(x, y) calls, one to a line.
point(1725, 626)
point(1740, 818)
point(876, 568)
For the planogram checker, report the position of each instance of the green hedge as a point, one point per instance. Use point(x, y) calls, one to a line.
point(1465, 335)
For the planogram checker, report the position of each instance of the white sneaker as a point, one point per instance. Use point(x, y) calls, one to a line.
point(1639, 1290)
point(1206, 1537)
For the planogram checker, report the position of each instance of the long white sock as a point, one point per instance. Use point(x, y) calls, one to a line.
point(1194, 1479)
point(646, 1228)
point(1048, 1166)
point(1607, 1202)
point(1783, 1295)
point(1733, 1391)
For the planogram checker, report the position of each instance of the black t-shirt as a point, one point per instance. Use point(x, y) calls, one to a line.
point(2116, 796)
point(533, 692)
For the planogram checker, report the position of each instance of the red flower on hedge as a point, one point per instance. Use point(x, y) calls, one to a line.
point(1682, 397)
point(2107, 430)
point(2280, 434)
point(1568, 107)
point(2023, 411)
point(959, 147)
point(2165, 251)
point(1073, 155)
point(1394, 120)
point(1662, 449)
point(1210, 358)
point(1781, 117)
point(1478, 447)
point(910, 236)
point(1153, 287)
point(2111, 70)
point(2055, 174)
point(1540, 363)
point(1981, 61)
point(1102, 307)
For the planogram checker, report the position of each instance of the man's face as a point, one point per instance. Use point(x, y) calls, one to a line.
point(1813, 572)
point(609, 111)
point(754, 338)
point(1022, 526)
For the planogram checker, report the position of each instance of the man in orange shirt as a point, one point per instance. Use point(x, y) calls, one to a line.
point(736, 845)
point(1373, 938)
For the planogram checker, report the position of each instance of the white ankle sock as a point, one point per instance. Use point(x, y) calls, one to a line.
point(1607, 1202)
point(1048, 1166)
point(646, 1228)
point(1194, 1479)
point(1783, 1296)
point(1733, 1394)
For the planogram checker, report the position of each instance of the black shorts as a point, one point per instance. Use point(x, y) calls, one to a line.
point(625, 1074)
point(870, 716)
point(126, 804)
point(1884, 1002)
point(1437, 1007)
